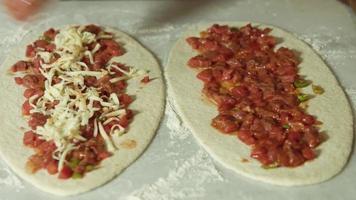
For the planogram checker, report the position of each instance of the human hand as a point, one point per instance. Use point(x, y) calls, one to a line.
point(351, 3)
point(22, 9)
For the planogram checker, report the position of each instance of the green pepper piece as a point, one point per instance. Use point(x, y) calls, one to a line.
point(77, 175)
point(317, 89)
point(89, 168)
point(270, 166)
point(73, 163)
point(303, 97)
point(301, 83)
point(286, 126)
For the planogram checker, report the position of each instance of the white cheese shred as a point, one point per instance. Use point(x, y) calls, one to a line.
point(62, 158)
point(109, 145)
point(71, 101)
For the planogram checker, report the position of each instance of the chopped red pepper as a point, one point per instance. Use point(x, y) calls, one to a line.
point(146, 79)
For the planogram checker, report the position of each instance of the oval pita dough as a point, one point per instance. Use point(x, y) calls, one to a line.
point(332, 108)
point(149, 105)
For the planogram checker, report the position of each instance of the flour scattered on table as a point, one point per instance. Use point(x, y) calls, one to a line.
point(159, 28)
point(186, 181)
point(12, 39)
point(189, 177)
point(351, 92)
point(332, 49)
point(8, 179)
point(174, 123)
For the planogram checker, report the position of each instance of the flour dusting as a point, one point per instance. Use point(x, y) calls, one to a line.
point(174, 123)
point(332, 48)
point(185, 181)
point(8, 178)
point(161, 28)
point(12, 39)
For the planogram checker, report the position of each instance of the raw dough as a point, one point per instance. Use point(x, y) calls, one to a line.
point(149, 105)
point(332, 108)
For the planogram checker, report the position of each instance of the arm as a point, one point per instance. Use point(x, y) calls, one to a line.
point(22, 9)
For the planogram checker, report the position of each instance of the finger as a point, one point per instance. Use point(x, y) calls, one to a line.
point(22, 9)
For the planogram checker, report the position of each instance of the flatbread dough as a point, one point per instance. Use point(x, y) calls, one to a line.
point(149, 105)
point(332, 108)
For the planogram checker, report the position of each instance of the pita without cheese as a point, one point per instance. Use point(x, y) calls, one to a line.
point(332, 108)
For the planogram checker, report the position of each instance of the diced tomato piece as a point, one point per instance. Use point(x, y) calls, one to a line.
point(101, 58)
point(104, 154)
point(312, 139)
point(239, 91)
point(120, 85)
point(205, 75)
point(225, 123)
point(198, 62)
point(193, 42)
point(246, 137)
point(115, 51)
point(107, 127)
point(225, 102)
point(18, 80)
point(20, 66)
point(37, 63)
point(37, 119)
point(50, 47)
point(295, 158)
point(26, 108)
point(267, 41)
point(277, 134)
point(50, 34)
point(29, 138)
point(29, 93)
point(308, 119)
point(52, 167)
point(227, 74)
point(283, 158)
point(124, 121)
point(30, 51)
point(41, 44)
point(145, 79)
point(261, 154)
point(65, 173)
point(216, 28)
point(108, 43)
point(32, 81)
point(208, 45)
point(308, 153)
point(93, 29)
point(33, 164)
point(129, 114)
point(125, 99)
point(46, 148)
point(294, 136)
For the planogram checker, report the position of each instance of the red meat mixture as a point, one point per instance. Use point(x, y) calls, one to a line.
point(255, 87)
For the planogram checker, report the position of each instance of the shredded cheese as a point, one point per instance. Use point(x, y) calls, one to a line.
point(109, 145)
point(62, 157)
point(71, 101)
